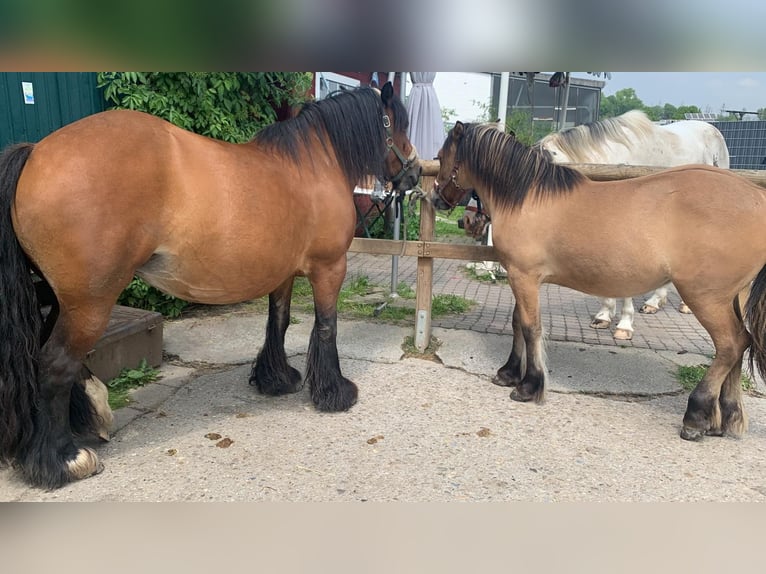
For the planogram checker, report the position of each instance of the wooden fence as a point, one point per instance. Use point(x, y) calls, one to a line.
point(426, 249)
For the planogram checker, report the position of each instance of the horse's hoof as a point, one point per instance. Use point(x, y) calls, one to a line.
point(623, 334)
point(501, 381)
point(600, 324)
point(341, 398)
point(520, 397)
point(688, 433)
point(648, 309)
point(98, 394)
point(684, 308)
point(85, 464)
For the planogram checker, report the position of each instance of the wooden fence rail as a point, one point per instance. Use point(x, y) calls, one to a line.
point(426, 249)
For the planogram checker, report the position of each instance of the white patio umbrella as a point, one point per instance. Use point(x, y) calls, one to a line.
point(426, 124)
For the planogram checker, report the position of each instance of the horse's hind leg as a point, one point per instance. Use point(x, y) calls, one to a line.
point(656, 302)
point(603, 318)
point(330, 390)
point(52, 458)
point(271, 374)
point(715, 405)
point(89, 410)
point(733, 416)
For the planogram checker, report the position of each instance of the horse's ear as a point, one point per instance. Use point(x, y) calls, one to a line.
point(457, 131)
point(387, 93)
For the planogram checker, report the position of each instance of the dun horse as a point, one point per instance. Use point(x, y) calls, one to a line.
point(633, 139)
point(710, 242)
point(123, 193)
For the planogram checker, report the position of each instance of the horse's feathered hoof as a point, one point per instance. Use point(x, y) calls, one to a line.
point(600, 324)
point(623, 334)
point(688, 433)
point(501, 381)
point(520, 397)
point(85, 464)
point(525, 393)
point(684, 308)
point(648, 309)
point(335, 398)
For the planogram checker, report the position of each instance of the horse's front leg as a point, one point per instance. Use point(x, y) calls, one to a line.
point(624, 330)
point(532, 385)
point(271, 374)
point(330, 390)
point(510, 374)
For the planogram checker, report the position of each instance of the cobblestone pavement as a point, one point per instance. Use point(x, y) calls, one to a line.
point(566, 314)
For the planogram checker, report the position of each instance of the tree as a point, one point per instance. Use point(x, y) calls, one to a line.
point(231, 106)
point(620, 102)
point(626, 100)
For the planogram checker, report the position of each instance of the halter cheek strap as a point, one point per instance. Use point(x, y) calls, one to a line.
point(406, 162)
point(451, 181)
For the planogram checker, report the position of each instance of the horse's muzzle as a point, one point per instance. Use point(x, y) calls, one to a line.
point(410, 178)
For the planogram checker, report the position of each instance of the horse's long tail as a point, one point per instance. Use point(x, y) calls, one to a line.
point(20, 320)
point(755, 315)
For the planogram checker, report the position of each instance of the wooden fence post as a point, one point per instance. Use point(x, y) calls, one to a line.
point(425, 271)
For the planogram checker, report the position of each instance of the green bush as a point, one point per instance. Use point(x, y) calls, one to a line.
point(230, 106)
point(143, 296)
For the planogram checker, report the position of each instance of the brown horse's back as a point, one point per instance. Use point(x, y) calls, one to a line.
point(199, 218)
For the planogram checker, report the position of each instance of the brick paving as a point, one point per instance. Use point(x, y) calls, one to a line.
point(566, 314)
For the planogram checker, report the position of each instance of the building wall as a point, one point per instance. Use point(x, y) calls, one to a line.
point(57, 99)
point(544, 102)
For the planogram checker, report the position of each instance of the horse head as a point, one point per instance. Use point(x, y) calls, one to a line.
point(551, 150)
point(402, 165)
point(449, 186)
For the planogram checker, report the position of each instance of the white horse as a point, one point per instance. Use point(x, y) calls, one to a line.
point(634, 140)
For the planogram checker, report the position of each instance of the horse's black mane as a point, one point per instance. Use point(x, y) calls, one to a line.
point(509, 170)
point(352, 121)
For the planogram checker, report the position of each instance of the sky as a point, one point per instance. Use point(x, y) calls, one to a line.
point(710, 91)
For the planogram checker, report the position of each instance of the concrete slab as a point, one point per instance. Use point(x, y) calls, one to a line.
point(236, 339)
point(572, 367)
point(420, 432)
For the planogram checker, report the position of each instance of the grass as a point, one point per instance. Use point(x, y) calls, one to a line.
point(128, 379)
point(360, 286)
point(446, 223)
point(471, 273)
point(689, 376)
point(448, 305)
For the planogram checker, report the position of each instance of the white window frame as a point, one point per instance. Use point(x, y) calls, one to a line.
point(333, 77)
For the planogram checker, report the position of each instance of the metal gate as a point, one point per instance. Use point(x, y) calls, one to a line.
point(34, 104)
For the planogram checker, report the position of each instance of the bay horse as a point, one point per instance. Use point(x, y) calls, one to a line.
point(122, 193)
point(710, 242)
point(633, 139)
